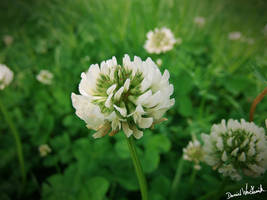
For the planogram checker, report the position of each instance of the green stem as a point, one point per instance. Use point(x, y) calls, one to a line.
point(138, 168)
point(193, 177)
point(177, 178)
point(17, 141)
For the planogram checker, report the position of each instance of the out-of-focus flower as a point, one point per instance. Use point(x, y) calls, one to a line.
point(236, 148)
point(200, 21)
point(45, 77)
point(44, 150)
point(266, 123)
point(159, 62)
point(160, 41)
point(6, 76)
point(8, 40)
point(132, 96)
point(194, 153)
point(234, 35)
point(248, 40)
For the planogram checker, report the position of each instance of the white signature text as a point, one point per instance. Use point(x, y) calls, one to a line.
point(246, 191)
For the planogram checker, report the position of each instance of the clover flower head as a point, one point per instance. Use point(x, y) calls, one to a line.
point(8, 40)
point(200, 21)
point(194, 153)
point(132, 96)
point(160, 40)
point(44, 150)
point(6, 76)
point(234, 35)
point(236, 149)
point(45, 77)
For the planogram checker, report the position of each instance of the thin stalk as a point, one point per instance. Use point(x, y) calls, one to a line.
point(193, 177)
point(177, 178)
point(17, 141)
point(138, 168)
point(255, 102)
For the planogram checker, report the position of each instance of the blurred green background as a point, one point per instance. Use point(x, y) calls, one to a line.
point(213, 78)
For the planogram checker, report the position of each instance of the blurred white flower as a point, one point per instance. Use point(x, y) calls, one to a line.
point(159, 62)
point(248, 40)
point(160, 40)
point(132, 96)
point(234, 35)
point(194, 153)
point(44, 150)
point(236, 148)
point(200, 21)
point(45, 77)
point(8, 40)
point(6, 76)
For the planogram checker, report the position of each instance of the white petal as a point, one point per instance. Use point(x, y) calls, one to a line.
point(145, 122)
point(143, 97)
point(127, 131)
point(122, 111)
point(224, 156)
point(127, 85)
point(137, 133)
point(111, 89)
point(108, 101)
point(242, 157)
point(118, 94)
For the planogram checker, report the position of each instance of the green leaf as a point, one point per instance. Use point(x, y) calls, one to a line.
point(122, 150)
point(161, 185)
point(95, 189)
point(150, 161)
point(185, 107)
point(159, 143)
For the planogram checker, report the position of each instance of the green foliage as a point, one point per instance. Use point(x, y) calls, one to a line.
point(213, 78)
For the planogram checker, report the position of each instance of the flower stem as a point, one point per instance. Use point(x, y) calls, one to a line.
point(138, 168)
point(177, 177)
point(255, 102)
point(17, 141)
point(193, 177)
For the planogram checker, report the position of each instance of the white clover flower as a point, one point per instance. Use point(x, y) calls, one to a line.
point(6, 76)
point(200, 21)
point(132, 96)
point(159, 62)
point(160, 40)
point(44, 150)
point(45, 77)
point(236, 148)
point(234, 35)
point(194, 153)
point(8, 40)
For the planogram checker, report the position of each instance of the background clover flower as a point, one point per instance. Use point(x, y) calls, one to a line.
point(44, 150)
point(200, 21)
point(6, 76)
point(8, 40)
point(236, 148)
point(45, 77)
point(234, 35)
point(194, 153)
point(160, 40)
point(132, 96)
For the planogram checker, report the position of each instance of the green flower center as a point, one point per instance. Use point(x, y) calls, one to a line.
point(104, 82)
point(241, 140)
